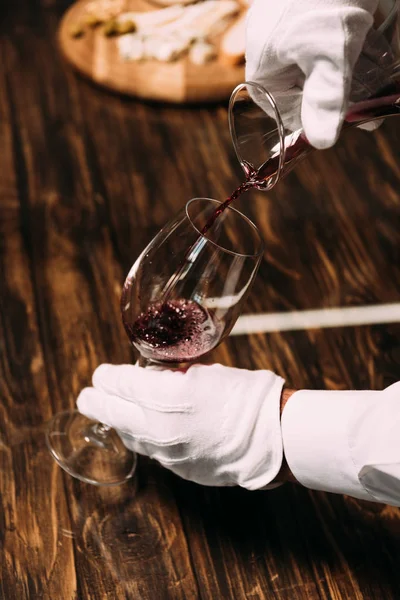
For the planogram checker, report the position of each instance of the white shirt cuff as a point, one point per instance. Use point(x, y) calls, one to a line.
point(315, 430)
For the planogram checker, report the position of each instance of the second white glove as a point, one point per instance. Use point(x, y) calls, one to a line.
point(213, 425)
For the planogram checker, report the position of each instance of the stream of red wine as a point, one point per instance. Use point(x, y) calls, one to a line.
point(181, 330)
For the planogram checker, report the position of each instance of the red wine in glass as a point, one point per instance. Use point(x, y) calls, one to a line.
point(174, 331)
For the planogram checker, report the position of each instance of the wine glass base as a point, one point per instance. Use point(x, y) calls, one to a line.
point(89, 450)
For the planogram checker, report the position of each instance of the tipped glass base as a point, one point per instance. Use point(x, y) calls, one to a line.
point(88, 450)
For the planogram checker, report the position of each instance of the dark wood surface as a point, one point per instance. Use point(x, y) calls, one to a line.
point(86, 180)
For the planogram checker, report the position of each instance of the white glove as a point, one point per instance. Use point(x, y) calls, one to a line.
point(214, 425)
point(305, 51)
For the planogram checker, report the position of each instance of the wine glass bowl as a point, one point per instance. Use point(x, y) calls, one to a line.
point(183, 295)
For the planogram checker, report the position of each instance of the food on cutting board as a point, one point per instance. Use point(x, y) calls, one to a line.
point(171, 2)
point(232, 46)
point(204, 30)
point(104, 10)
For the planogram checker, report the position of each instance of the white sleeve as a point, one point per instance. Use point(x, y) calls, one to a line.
point(345, 442)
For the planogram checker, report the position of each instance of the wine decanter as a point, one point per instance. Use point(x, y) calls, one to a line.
point(259, 121)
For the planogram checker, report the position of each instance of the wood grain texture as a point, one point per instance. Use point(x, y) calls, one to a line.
point(181, 81)
point(86, 180)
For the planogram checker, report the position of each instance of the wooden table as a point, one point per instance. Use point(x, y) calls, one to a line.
point(86, 180)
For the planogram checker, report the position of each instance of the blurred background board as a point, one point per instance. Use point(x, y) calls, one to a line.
point(97, 57)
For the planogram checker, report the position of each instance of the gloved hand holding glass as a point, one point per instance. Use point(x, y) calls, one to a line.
point(180, 299)
point(214, 425)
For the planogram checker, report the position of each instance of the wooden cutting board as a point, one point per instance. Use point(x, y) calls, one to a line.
point(97, 57)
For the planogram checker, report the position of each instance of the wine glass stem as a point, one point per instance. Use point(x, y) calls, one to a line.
point(145, 362)
point(101, 430)
point(159, 366)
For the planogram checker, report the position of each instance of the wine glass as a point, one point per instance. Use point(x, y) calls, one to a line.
point(186, 290)
point(181, 297)
point(265, 127)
